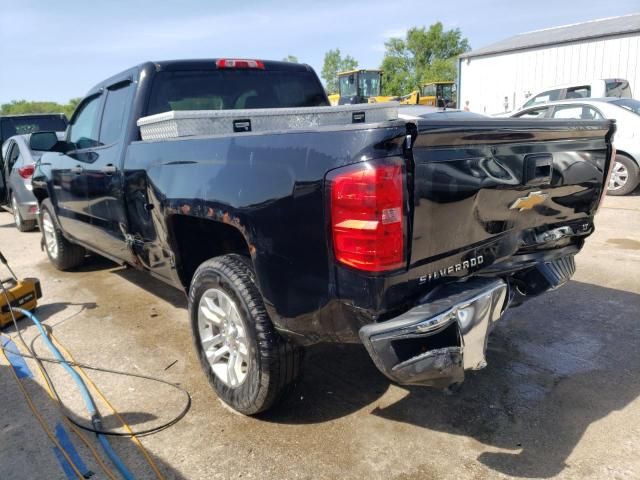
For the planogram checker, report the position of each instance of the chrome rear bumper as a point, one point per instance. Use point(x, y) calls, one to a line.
point(434, 342)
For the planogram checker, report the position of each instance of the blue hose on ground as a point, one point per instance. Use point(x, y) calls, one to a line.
point(90, 404)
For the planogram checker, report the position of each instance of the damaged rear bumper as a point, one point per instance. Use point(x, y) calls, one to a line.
point(433, 343)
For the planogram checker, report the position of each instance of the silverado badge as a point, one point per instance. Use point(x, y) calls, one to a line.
point(530, 201)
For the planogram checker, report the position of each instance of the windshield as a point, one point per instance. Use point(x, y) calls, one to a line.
point(348, 87)
point(369, 84)
point(629, 104)
point(232, 89)
point(11, 126)
point(428, 90)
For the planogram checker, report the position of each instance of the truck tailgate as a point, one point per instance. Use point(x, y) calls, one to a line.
point(483, 184)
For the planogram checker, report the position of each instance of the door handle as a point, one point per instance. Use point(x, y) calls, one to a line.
point(109, 169)
point(76, 169)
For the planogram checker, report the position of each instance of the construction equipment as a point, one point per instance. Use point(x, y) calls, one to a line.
point(438, 94)
point(359, 86)
point(364, 86)
point(21, 293)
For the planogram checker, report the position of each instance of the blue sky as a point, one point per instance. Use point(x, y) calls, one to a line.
point(55, 50)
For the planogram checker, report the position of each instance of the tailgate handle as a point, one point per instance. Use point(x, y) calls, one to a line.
point(538, 169)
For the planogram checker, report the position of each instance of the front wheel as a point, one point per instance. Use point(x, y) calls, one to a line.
point(624, 176)
point(248, 364)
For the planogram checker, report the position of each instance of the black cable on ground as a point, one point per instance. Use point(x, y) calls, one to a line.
point(140, 433)
point(39, 359)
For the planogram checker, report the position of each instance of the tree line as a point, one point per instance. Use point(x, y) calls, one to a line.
point(19, 107)
point(424, 55)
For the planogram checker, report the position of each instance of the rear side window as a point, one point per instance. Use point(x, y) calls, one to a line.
point(113, 117)
point(13, 156)
point(583, 91)
point(617, 88)
point(83, 129)
point(577, 112)
point(232, 89)
point(535, 113)
point(544, 97)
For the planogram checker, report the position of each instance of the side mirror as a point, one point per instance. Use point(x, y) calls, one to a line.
point(43, 141)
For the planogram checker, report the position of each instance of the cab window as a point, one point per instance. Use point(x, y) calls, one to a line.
point(544, 97)
point(583, 91)
point(113, 118)
point(83, 129)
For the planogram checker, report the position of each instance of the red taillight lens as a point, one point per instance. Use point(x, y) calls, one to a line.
point(239, 63)
point(367, 221)
point(26, 171)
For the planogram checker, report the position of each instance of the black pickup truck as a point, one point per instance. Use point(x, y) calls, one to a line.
point(411, 235)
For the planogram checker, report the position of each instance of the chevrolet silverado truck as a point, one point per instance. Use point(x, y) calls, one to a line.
point(288, 222)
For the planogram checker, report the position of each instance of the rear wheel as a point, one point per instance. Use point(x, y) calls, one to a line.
point(624, 176)
point(249, 365)
point(22, 225)
point(61, 252)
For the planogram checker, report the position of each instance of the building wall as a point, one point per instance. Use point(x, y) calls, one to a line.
point(486, 81)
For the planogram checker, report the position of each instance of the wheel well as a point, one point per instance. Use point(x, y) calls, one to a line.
point(40, 195)
point(630, 157)
point(196, 240)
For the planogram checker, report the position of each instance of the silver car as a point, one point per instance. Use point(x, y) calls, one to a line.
point(16, 168)
point(625, 175)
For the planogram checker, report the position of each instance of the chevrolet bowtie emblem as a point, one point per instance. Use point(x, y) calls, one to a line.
point(530, 201)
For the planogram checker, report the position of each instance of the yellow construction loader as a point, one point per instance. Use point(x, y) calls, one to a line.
point(359, 86)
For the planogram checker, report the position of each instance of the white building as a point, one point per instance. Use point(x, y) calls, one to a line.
point(500, 77)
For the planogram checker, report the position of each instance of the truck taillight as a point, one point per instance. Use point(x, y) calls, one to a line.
point(367, 215)
point(27, 171)
point(239, 63)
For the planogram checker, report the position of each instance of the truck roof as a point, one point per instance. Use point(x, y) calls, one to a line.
point(19, 115)
point(190, 64)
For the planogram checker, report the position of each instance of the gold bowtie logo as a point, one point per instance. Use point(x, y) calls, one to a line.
point(530, 201)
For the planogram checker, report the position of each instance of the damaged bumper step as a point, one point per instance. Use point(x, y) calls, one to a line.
point(433, 343)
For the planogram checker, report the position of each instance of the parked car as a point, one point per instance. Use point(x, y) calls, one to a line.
point(15, 181)
point(625, 175)
point(291, 226)
point(608, 87)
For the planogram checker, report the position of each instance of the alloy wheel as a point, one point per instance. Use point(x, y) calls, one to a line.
point(50, 238)
point(223, 337)
point(619, 176)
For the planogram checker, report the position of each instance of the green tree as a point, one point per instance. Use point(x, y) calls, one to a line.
point(20, 107)
point(333, 64)
point(290, 58)
point(425, 55)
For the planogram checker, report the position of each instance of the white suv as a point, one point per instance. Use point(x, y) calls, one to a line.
point(608, 87)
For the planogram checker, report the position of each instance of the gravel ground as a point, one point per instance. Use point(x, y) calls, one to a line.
point(558, 399)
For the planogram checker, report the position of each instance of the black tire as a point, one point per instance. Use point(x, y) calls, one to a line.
point(633, 176)
point(21, 224)
point(276, 363)
point(69, 255)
